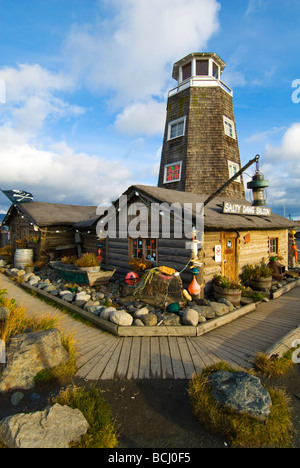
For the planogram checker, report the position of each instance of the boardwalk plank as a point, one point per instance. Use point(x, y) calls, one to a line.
point(166, 362)
point(123, 363)
point(134, 359)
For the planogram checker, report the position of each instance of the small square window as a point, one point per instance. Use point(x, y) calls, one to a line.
point(176, 128)
point(233, 169)
point(202, 67)
point(274, 246)
point(172, 172)
point(229, 128)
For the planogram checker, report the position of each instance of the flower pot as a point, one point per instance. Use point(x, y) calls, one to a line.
point(259, 284)
point(232, 295)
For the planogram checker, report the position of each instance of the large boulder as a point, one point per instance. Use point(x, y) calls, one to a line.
point(241, 392)
point(121, 317)
point(54, 427)
point(190, 317)
point(28, 354)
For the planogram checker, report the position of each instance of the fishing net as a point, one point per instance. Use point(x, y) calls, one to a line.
point(157, 289)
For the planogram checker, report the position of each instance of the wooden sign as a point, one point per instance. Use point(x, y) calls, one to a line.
point(249, 210)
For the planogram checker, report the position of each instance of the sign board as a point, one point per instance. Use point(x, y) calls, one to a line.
point(218, 253)
point(249, 210)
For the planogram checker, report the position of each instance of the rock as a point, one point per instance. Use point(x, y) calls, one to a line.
point(201, 319)
point(27, 276)
point(16, 398)
point(95, 310)
point(219, 308)
point(68, 297)
point(190, 317)
point(171, 320)
point(21, 273)
point(241, 392)
point(28, 354)
point(121, 317)
point(138, 323)
point(105, 313)
point(33, 280)
point(4, 313)
point(91, 303)
point(49, 288)
point(82, 296)
point(54, 427)
point(149, 320)
point(140, 312)
point(99, 296)
point(225, 301)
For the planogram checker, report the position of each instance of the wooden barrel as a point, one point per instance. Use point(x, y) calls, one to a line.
point(232, 295)
point(23, 257)
point(259, 284)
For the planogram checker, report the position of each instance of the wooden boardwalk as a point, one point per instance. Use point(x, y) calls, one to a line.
point(102, 356)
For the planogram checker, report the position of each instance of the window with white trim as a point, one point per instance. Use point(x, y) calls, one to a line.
point(229, 128)
point(233, 169)
point(172, 172)
point(176, 128)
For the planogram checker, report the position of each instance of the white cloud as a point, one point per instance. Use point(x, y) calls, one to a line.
point(59, 174)
point(256, 6)
point(281, 167)
point(132, 54)
point(32, 95)
point(140, 118)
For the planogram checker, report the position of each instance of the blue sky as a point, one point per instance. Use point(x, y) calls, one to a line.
point(86, 86)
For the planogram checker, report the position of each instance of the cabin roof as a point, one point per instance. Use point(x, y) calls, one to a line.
point(51, 214)
point(214, 218)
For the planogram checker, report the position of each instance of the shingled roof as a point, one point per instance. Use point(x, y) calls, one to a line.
point(52, 214)
point(214, 218)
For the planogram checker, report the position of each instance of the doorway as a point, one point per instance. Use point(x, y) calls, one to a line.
point(230, 257)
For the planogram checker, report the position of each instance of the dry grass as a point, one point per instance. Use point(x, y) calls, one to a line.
point(102, 432)
point(274, 366)
point(240, 430)
point(18, 322)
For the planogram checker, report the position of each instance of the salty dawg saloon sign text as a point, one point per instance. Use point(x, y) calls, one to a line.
point(240, 209)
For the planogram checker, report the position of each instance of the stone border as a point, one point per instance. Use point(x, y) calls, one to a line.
point(284, 289)
point(284, 344)
point(118, 330)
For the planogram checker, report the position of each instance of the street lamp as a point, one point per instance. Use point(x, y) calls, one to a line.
point(258, 186)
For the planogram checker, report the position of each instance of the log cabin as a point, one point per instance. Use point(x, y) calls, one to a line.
point(47, 228)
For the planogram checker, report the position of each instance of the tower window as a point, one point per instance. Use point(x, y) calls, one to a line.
point(172, 172)
point(229, 128)
point(215, 71)
point(233, 169)
point(176, 128)
point(202, 67)
point(187, 71)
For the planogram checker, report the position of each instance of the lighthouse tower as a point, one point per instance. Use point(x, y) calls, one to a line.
point(200, 148)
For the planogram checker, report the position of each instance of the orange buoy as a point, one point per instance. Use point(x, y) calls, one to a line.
point(194, 288)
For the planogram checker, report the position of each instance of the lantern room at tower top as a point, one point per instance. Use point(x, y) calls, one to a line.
point(199, 69)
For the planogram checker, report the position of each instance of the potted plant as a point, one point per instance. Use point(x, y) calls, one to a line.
point(259, 276)
point(88, 262)
point(224, 288)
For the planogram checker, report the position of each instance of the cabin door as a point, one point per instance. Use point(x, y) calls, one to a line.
point(229, 251)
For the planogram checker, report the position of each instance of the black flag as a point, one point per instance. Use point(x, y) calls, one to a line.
point(18, 196)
